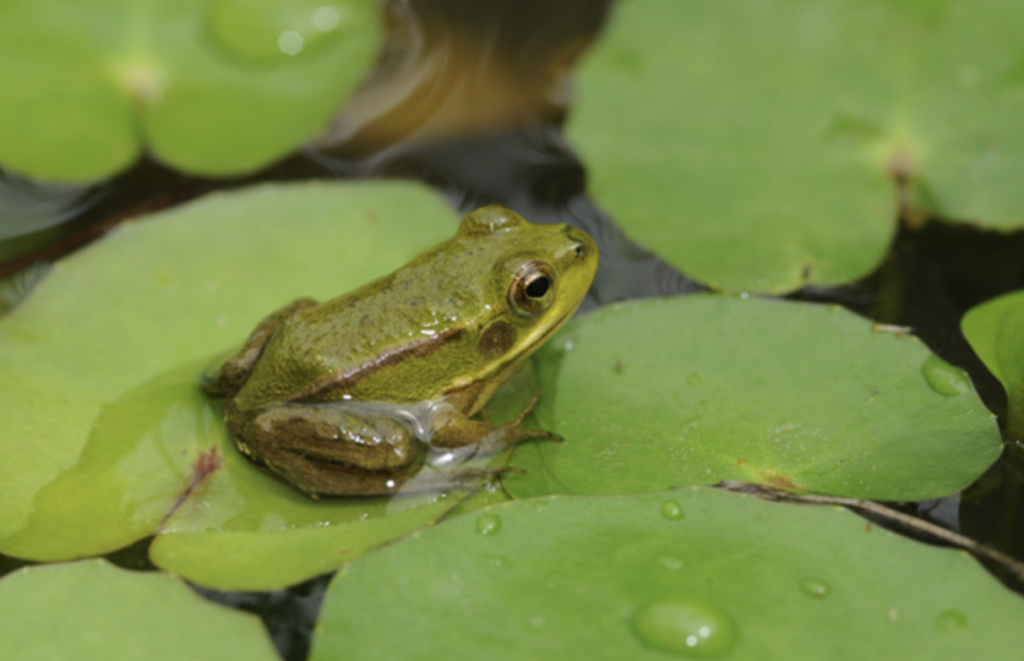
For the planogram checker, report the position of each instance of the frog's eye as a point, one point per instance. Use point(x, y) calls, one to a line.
point(532, 290)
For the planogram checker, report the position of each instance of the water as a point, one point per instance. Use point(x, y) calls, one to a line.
point(943, 378)
point(488, 524)
point(951, 621)
point(671, 510)
point(686, 626)
point(814, 587)
point(278, 29)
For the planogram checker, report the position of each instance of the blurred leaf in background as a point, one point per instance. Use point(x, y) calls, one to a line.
point(995, 330)
point(762, 146)
point(219, 87)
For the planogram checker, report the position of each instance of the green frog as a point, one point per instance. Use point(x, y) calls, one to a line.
point(352, 396)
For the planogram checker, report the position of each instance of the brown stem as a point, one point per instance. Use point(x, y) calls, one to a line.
point(1013, 565)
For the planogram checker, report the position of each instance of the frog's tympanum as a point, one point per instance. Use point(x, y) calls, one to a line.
point(352, 396)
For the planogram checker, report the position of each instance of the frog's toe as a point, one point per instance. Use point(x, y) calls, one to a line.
point(528, 434)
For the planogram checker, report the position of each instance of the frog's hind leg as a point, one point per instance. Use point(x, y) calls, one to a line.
point(326, 448)
point(313, 464)
point(235, 370)
point(331, 450)
point(321, 479)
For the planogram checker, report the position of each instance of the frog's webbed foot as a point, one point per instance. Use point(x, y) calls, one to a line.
point(235, 370)
point(520, 417)
point(459, 431)
point(505, 436)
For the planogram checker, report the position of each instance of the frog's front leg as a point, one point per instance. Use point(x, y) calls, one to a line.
point(232, 374)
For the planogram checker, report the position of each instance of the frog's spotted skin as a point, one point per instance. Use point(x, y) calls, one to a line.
point(344, 397)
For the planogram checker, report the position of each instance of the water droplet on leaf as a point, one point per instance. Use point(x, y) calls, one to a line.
point(670, 509)
point(495, 562)
point(943, 378)
point(951, 620)
point(814, 587)
point(488, 524)
point(290, 42)
point(670, 562)
point(686, 626)
point(325, 18)
point(267, 29)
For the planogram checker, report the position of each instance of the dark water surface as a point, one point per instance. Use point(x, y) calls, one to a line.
point(470, 97)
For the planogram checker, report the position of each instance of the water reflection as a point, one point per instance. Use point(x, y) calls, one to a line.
point(27, 206)
point(458, 68)
point(133, 466)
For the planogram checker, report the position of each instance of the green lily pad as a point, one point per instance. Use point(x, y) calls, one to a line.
point(165, 464)
point(215, 88)
point(757, 145)
point(694, 573)
point(92, 610)
point(704, 388)
point(995, 330)
point(106, 436)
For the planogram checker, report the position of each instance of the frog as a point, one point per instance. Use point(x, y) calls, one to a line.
point(355, 395)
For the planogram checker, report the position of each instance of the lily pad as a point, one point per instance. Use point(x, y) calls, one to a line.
point(116, 614)
point(694, 573)
point(763, 145)
point(704, 388)
point(215, 88)
point(995, 330)
point(106, 436)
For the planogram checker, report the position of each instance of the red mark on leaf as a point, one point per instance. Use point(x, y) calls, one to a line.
point(207, 461)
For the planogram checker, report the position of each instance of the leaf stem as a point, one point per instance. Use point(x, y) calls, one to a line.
point(1014, 566)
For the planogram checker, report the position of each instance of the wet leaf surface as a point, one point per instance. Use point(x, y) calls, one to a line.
point(691, 573)
point(108, 438)
point(695, 390)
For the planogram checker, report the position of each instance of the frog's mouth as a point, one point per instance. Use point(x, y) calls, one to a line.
point(534, 343)
point(546, 335)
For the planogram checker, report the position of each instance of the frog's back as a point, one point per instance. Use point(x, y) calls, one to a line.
point(457, 318)
point(408, 316)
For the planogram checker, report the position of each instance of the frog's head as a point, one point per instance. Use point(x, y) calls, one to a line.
point(539, 276)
